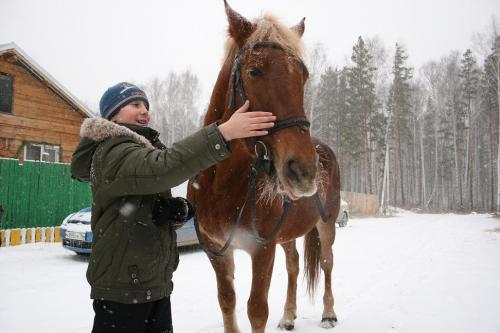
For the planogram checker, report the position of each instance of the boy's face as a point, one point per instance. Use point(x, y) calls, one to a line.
point(134, 113)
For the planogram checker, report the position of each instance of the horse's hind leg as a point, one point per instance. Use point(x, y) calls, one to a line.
point(292, 267)
point(262, 270)
point(327, 237)
point(224, 271)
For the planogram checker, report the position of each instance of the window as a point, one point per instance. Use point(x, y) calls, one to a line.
point(41, 152)
point(5, 93)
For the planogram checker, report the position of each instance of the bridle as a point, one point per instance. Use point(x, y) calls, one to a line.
point(262, 162)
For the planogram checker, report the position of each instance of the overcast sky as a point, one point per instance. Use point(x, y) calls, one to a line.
point(90, 45)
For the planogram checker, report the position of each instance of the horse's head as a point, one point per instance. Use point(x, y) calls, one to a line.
point(266, 65)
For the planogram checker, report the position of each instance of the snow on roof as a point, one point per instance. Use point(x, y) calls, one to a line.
point(24, 60)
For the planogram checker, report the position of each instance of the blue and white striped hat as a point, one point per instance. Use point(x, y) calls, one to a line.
point(118, 96)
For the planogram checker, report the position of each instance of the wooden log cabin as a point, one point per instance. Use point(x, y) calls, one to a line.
point(39, 119)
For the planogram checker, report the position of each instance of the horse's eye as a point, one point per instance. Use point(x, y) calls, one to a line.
point(254, 73)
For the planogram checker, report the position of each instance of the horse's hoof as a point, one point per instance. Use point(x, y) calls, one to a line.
point(286, 325)
point(329, 322)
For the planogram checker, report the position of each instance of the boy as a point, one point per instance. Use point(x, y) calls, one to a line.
point(134, 251)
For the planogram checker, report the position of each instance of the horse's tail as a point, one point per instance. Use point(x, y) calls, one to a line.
point(312, 252)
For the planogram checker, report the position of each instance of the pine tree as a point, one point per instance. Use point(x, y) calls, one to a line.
point(363, 107)
point(399, 105)
point(327, 113)
point(469, 81)
point(346, 127)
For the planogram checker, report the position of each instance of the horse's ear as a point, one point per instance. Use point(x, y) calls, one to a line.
point(300, 27)
point(239, 27)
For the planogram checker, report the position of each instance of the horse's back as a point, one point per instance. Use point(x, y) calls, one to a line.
point(328, 160)
point(330, 175)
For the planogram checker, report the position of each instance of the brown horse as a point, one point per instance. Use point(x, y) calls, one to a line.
point(264, 64)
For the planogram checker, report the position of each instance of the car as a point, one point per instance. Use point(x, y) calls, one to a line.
point(186, 235)
point(76, 234)
point(343, 216)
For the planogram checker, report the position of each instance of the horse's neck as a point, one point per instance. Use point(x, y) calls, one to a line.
point(220, 94)
point(231, 171)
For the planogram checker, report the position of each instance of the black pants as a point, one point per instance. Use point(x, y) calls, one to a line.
point(152, 317)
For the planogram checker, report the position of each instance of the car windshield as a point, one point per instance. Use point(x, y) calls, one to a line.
point(79, 218)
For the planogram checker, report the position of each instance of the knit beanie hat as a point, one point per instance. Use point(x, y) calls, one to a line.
point(118, 96)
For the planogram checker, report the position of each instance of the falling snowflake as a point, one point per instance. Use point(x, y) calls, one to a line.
point(127, 209)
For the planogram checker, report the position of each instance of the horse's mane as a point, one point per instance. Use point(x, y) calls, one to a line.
point(269, 29)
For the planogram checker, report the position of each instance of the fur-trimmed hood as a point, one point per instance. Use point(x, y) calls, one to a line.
point(100, 129)
point(96, 130)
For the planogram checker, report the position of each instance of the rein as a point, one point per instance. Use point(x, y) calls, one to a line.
point(262, 162)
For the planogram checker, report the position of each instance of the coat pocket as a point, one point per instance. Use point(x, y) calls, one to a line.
point(141, 259)
point(100, 261)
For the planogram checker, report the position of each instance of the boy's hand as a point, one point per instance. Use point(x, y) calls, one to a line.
point(244, 124)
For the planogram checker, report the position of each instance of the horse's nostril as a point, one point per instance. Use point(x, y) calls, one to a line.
point(294, 171)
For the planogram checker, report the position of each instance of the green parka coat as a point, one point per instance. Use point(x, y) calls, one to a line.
point(132, 258)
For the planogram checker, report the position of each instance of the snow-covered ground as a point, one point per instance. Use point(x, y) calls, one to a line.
point(412, 273)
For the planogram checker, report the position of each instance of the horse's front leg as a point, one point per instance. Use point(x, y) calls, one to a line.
point(327, 237)
point(224, 271)
point(262, 270)
point(292, 267)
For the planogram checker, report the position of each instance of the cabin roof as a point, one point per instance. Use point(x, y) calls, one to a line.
point(42, 75)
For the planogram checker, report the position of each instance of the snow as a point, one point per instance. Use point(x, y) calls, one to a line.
point(180, 190)
point(412, 273)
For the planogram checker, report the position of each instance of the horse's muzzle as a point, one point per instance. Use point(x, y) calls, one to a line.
point(298, 178)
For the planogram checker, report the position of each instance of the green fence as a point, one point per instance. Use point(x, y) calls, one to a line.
point(37, 194)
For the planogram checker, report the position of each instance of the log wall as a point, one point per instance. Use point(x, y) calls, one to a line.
point(38, 116)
